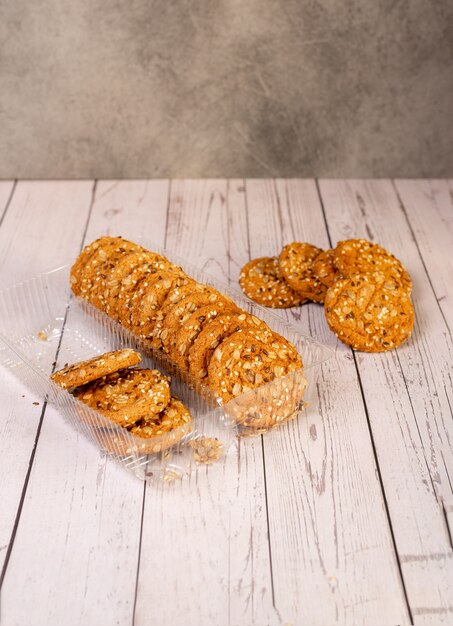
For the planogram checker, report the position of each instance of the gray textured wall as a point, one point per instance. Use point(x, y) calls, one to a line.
point(188, 88)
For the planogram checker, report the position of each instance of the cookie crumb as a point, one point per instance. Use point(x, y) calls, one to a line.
point(42, 335)
point(36, 403)
point(206, 449)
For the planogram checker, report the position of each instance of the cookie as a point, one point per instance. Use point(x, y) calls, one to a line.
point(191, 289)
point(246, 360)
point(295, 266)
point(180, 312)
point(123, 269)
point(167, 429)
point(359, 256)
point(324, 268)
point(97, 272)
point(87, 371)
point(261, 282)
point(131, 291)
point(371, 313)
point(268, 406)
point(150, 298)
point(212, 335)
point(83, 259)
point(192, 327)
point(127, 396)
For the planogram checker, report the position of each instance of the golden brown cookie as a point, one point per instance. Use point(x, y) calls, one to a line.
point(122, 271)
point(260, 281)
point(131, 292)
point(213, 334)
point(83, 260)
point(324, 268)
point(246, 360)
point(295, 265)
point(270, 405)
point(151, 297)
point(371, 313)
point(359, 256)
point(97, 272)
point(167, 429)
point(127, 396)
point(180, 313)
point(101, 365)
point(192, 327)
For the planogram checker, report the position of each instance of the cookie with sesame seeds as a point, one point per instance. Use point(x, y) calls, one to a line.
point(200, 353)
point(130, 290)
point(165, 430)
point(360, 256)
point(178, 314)
point(261, 282)
point(370, 312)
point(86, 371)
point(91, 256)
point(268, 406)
point(295, 265)
point(244, 361)
point(192, 327)
point(150, 298)
point(123, 269)
point(127, 396)
point(96, 274)
point(324, 269)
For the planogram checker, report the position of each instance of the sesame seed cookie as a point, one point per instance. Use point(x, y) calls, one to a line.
point(128, 395)
point(123, 269)
point(131, 291)
point(213, 334)
point(261, 282)
point(192, 327)
point(295, 266)
point(87, 371)
point(169, 427)
point(359, 256)
point(150, 297)
point(244, 361)
point(324, 269)
point(371, 313)
point(180, 312)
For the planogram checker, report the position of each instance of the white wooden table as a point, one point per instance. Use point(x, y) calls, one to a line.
point(342, 517)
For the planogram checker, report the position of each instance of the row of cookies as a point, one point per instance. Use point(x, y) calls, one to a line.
point(366, 291)
point(136, 399)
point(199, 329)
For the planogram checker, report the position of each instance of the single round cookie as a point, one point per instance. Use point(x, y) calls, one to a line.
point(260, 281)
point(128, 395)
point(371, 313)
point(131, 291)
point(244, 361)
point(213, 334)
point(295, 266)
point(150, 298)
point(268, 406)
point(180, 312)
point(123, 269)
point(83, 260)
point(324, 268)
point(167, 429)
point(87, 371)
point(97, 273)
point(192, 327)
point(359, 256)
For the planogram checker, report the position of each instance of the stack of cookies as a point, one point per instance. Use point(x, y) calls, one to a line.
point(139, 400)
point(201, 331)
point(366, 291)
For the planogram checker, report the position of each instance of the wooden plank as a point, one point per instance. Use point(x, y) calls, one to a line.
point(333, 559)
point(428, 206)
point(84, 508)
point(407, 395)
point(32, 238)
point(210, 555)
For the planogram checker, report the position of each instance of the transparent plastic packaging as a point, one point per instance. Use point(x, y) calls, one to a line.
point(43, 327)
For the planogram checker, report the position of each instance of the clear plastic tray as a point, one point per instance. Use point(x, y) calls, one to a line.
point(43, 326)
